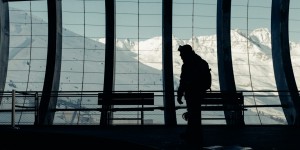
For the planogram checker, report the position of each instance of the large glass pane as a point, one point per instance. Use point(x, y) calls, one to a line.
point(138, 51)
point(252, 60)
point(28, 45)
point(194, 23)
point(83, 54)
point(83, 27)
point(27, 54)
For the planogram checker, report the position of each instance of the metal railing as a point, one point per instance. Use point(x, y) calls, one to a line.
point(81, 108)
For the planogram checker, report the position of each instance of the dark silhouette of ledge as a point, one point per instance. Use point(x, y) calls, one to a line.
point(152, 137)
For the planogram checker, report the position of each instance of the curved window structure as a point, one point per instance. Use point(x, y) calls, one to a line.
point(283, 71)
point(145, 36)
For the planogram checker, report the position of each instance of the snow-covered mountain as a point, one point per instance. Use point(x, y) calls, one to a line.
point(252, 60)
point(251, 56)
point(254, 49)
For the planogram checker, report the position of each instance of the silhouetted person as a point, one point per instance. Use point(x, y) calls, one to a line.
point(191, 88)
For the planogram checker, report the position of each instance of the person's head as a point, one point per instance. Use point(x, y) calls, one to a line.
point(185, 51)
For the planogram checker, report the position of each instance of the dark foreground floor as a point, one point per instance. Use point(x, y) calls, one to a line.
point(147, 138)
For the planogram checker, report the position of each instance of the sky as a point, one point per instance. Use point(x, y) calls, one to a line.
point(189, 19)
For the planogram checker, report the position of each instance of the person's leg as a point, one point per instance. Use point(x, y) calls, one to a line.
point(198, 123)
point(192, 117)
point(189, 111)
point(195, 127)
point(193, 134)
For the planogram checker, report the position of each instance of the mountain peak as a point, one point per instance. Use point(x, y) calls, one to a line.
point(261, 35)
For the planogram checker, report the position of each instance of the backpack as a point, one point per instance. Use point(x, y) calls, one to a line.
point(205, 75)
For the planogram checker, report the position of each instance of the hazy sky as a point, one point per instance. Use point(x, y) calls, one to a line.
point(190, 17)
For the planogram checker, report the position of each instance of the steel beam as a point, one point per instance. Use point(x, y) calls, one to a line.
point(110, 48)
point(167, 60)
point(283, 70)
point(226, 76)
point(53, 66)
point(4, 43)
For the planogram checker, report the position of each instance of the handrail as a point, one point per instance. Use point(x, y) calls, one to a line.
point(68, 97)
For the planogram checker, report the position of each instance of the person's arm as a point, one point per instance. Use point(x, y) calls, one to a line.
point(179, 95)
point(180, 91)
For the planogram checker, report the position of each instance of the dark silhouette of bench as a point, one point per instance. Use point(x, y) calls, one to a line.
point(230, 102)
point(223, 98)
point(114, 102)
